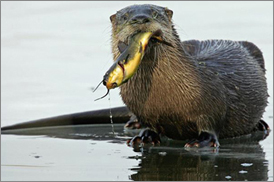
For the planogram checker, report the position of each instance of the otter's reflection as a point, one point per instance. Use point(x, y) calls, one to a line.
point(237, 159)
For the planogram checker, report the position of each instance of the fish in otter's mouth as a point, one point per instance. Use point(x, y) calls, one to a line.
point(130, 58)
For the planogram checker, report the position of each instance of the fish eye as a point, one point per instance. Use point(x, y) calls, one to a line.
point(114, 85)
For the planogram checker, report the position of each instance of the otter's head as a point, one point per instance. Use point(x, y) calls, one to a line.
point(141, 18)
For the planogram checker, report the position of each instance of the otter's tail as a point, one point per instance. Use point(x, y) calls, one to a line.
point(119, 115)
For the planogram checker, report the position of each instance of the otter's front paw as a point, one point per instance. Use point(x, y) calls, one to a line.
point(146, 136)
point(133, 123)
point(205, 139)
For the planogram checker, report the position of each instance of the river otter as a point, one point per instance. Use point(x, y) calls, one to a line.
point(197, 90)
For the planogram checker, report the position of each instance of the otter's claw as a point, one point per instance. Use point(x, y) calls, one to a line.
point(205, 139)
point(263, 126)
point(145, 137)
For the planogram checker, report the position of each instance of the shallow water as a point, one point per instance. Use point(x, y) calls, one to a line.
point(54, 53)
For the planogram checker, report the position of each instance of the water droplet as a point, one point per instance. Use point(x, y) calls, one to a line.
point(162, 153)
point(228, 177)
point(246, 164)
point(110, 114)
point(242, 172)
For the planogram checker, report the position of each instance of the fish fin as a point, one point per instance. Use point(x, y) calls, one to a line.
point(122, 46)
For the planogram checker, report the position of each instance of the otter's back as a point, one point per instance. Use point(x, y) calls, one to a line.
point(205, 49)
point(240, 67)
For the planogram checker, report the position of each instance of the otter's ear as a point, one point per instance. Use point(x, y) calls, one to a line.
point(112, 17)
point(169, 13)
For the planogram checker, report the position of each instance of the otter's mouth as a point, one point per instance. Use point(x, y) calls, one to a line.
point(156, 37)
point(155, 34)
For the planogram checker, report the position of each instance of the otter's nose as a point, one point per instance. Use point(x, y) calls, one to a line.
point(140, 19)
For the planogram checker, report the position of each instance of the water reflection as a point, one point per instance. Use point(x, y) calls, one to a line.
point(77, 132)
point(229, 163)
point(237, 159)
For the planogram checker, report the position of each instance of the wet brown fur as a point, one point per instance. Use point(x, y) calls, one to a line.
point(216, 86)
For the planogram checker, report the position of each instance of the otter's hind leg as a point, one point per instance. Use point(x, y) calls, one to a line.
point(263, 126)
point(205, 139)
point(207, 135)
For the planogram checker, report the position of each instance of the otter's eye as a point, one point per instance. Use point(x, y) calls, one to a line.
point(125, 17)
point(154, 14)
